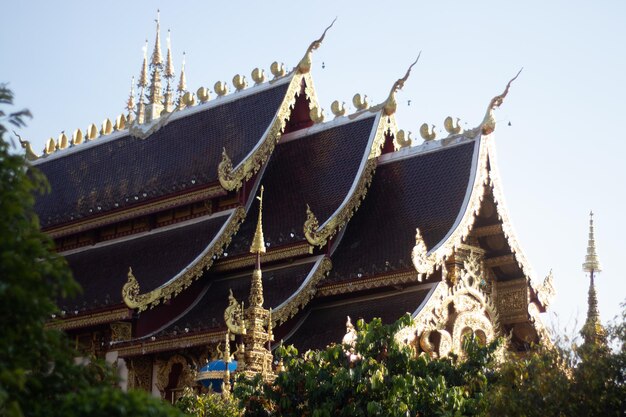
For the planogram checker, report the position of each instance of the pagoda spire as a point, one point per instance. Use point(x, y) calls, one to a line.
point(182, 83)
point(593, 332)
point(168, 99)
point(142, 84)
point(258, 357)
point(130, 103)
point(155, 104)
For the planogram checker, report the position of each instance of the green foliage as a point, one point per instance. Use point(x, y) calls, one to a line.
point(383, 379)
point(38, 376)
point(589, 380)
point(208, 405)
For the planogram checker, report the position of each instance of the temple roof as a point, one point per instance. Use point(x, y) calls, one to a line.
point(207, 313)
point(155, 257)
point(326, 323)
point(121, 170)
point(316, 167)
point(424, 190)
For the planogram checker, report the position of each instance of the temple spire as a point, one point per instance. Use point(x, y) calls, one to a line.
point(182, 82)
point(155, 101)
point(593, 332)
point(130, 103)
point(168, 99)
point(258, 247)
point(142, 84)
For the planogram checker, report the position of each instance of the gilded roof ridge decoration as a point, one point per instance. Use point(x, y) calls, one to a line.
point(90, 319)
point(305, 293)
point(318, 235)
point(367, 283)
point(232, 177)
point(131, 292)
point(150, 232)
point(120, 132)
point(424, 149)
point(321, 127)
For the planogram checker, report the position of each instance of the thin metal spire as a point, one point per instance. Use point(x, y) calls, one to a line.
point(155, 100)
point(593, 332)
point(168, 99)
point(130, 103)
point(142, 84)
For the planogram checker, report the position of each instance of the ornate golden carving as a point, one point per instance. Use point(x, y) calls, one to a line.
point(168, 344)
point(203, 94)
point(30, 154)
point(317, 115)
point(319, 236)
point(391, 104)
point(221, 89)
point(140, 373)
point(448, 124)
point(425, 134)
point(90, 319)
point(231, 177)
point(403, 139)
point(277, 70)
point(239, 262)
point(360, 103)
point(338, 109)
point(187, 377)
point(489, 122)
point(133, 212)
point(234, 315)
point(546, 291)
point(305, 293)
point(361, 284)
point(121, 331)
point(131, 293)
point(258, 75)
point(304, 66)
point(239, 81)
point(423, 262)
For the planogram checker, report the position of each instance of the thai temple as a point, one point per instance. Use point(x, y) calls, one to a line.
point(207, 227)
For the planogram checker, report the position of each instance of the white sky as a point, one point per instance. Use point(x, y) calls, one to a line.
point(71, 63)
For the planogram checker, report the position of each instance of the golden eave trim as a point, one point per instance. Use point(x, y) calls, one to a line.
point(304, 294)
point(406, 277)
point(131, 291)
point(277, 254)
point(147, 346)
point(87, 320)
point(318, 235)
point(232, 178)
point(136, 211)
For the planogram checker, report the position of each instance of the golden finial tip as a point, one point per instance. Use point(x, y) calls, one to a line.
point(239, 81)
point(203, 94)
point(258, 75)
point(277, 70)
point(221, 89)
point(338, 109)
point(258, 242)
point(426, 134)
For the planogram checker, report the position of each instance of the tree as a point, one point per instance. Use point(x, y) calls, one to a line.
point(375, 377)
point(38, 376)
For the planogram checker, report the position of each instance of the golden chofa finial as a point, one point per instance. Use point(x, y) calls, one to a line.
point(258, 75)
point(317, 115)
point(258, 243)
point(30, 153)
point(277, 70)
point(448, 124)
point(489, 122)
point(424, 133)
point(403, 139)
point(360, 103)
point(239, 81)
point(221, 89)
point(203, 94)
point(304, 66)
point(391, 104)
point(338, 109)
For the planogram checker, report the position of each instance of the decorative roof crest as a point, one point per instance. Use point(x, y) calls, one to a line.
point(391, 104)
point(304, 66)
point(448, 124)
point(426, 134)
point(489, 122)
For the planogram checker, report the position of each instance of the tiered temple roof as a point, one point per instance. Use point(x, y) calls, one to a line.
point(155, 222)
